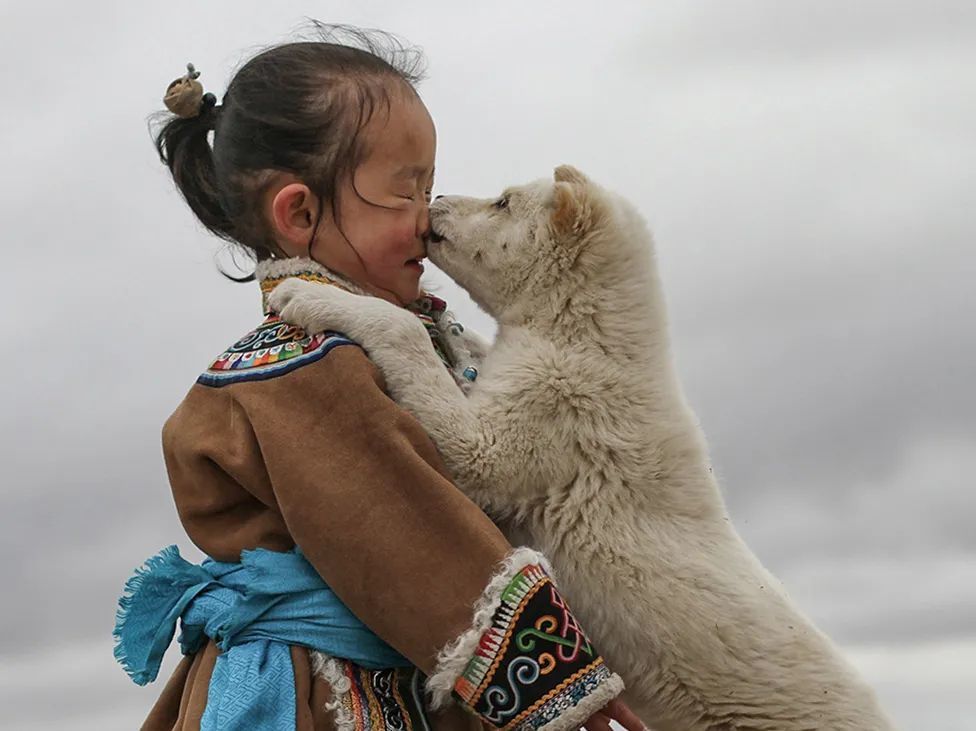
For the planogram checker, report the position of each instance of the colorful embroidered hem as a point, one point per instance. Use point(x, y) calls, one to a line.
point(534, 663)
point(273, 349)
point(390, 699)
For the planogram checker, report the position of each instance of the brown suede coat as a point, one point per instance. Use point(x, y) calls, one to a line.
point(321, 457)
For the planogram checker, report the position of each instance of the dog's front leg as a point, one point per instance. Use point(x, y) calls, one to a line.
point(317, 308)
point(395, 340)
point(491, 457)
point(488, 460)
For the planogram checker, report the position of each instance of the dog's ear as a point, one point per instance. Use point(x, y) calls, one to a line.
point(569, 174)
point(573, 210)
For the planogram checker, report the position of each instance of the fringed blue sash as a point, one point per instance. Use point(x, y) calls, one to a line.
point(253, 610)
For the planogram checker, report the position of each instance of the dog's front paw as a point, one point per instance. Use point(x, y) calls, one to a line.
point(285, 292)
point(305, 304)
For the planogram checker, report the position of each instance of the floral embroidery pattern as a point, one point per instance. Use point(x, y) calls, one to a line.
point(534, 662)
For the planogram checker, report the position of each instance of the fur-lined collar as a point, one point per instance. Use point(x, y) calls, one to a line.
point(272, 272)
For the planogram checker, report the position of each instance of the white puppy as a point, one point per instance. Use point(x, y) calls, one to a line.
point(578, 440)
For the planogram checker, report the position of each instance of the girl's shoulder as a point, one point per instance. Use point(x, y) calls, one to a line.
point(271, 350)
point(275, 373)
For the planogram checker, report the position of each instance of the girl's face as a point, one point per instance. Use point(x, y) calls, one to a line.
point(379, 241)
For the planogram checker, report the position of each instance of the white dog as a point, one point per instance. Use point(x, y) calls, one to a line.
point(576, 437)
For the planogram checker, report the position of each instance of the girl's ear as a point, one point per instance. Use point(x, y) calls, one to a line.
point(294, 212)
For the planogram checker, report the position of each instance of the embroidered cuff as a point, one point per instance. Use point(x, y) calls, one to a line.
point(526, 664)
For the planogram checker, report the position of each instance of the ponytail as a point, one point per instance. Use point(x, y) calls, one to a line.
point(183, 145)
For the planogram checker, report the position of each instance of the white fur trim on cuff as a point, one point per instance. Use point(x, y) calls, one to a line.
point(454, 658)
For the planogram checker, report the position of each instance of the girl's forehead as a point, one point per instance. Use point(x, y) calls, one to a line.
point(404, 137)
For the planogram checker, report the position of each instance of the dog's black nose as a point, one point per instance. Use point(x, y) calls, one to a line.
point(434, 237)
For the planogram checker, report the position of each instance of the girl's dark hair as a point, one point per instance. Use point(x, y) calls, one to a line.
point(298, 107)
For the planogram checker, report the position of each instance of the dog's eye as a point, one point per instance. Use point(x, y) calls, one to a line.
point(501, 203)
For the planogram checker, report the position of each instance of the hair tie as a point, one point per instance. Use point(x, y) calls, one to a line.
point(184, 96)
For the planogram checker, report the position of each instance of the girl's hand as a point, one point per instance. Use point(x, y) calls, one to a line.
point(618, 711)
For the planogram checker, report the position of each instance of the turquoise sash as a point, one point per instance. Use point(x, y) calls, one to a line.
point(253, 611)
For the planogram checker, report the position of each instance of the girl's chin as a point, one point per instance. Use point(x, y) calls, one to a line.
point(409, 289)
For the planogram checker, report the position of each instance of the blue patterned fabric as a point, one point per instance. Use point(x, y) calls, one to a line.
point(253, 611)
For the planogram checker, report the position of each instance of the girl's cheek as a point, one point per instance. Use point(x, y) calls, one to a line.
point(405, 240)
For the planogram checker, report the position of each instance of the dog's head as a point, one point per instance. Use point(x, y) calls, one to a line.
point(505, 251)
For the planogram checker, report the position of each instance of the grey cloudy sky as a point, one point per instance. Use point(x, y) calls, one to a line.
point(807, 167)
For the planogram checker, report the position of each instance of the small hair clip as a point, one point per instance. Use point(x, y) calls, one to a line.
point(184, 96)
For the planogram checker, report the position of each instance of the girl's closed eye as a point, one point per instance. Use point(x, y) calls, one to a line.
point(428, 194)
point(409, 182)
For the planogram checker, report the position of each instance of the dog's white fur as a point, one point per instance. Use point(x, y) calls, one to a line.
point(578, 440)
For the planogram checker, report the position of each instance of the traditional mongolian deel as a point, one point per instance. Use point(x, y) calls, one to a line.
point(292, 464)
point(273, 349)
point(534, 662)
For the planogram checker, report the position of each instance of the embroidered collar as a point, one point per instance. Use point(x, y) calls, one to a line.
point(444, 330)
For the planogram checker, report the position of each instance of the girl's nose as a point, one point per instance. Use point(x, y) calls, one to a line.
point(423, 222)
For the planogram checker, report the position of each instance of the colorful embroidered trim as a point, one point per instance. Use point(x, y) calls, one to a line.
point(390, 699)
point(273, 349)
point(429, 310)
point(534, 662)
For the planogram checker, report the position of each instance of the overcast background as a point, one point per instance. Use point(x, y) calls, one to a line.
point(807, 167)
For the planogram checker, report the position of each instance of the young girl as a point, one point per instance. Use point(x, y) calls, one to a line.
point(349, 584)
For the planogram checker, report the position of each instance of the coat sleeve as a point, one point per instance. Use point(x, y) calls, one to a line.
point(365, 495)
